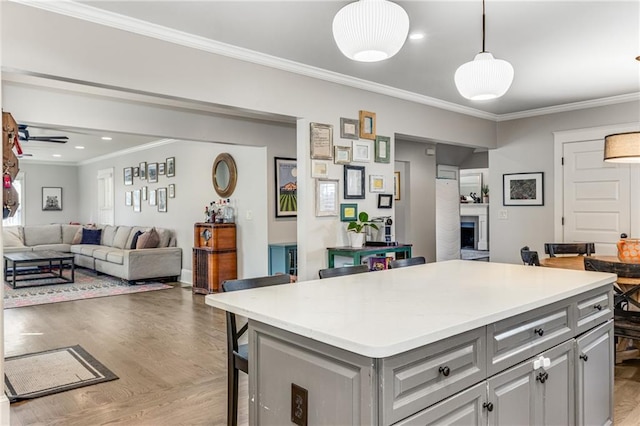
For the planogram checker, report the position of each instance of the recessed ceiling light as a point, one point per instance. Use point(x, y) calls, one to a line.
point(57, 155)
point(106, 138)
point(416, 36)
point(79, 147)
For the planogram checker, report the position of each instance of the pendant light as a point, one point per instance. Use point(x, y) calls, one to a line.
point(485, 77)
point(622, 148)
point(370, 30)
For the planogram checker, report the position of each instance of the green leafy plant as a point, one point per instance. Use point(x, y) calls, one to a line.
point(361, 224)
point(485, 190)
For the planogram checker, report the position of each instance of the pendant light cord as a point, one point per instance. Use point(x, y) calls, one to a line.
point(483, 26)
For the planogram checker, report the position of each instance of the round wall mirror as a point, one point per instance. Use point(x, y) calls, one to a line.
point(224, 175)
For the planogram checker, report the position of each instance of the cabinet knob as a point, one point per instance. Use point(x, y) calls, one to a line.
point(539, 331)
point(444, 370)
point(488, 406)
point(542, 377)
point(598, 307)
point(584, 357)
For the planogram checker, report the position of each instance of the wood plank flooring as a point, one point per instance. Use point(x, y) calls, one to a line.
point(169, 350)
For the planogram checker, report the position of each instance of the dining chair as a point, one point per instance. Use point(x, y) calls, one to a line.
point(238, 354)
point(569, 248)
point(529, 257)
point(410, 261)
point(344, 270)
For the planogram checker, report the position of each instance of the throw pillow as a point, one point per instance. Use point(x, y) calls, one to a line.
point(78, 237)
point(91, 236)
point(149, 239)
point(134, 241)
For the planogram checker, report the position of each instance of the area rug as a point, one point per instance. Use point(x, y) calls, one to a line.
point(87, 285)
point(48, 372)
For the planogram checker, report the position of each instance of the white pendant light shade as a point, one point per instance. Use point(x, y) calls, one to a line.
point(622, 148)
point(370, 30)
point(484, 78)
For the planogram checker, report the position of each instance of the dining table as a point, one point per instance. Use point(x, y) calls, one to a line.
point(625, 348)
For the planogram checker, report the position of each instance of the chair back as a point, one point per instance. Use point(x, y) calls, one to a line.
point(529, 257)
point(583, 249)
point(344, 270)
point(623, 270)
point(410, 261)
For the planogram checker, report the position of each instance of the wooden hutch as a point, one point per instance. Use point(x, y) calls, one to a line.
point(214, 256)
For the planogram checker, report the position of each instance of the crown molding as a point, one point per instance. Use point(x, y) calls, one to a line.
point(131, 150)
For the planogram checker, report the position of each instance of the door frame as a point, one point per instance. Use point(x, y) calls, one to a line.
point(578, 135)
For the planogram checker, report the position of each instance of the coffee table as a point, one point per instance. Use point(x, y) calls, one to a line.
point(37, 265)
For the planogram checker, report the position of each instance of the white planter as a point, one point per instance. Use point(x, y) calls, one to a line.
point(356, 239)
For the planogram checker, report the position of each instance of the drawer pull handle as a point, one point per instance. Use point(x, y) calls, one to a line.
point(539, 331)
point(598, 307)
point(444, 370)
point(488, 406)
point(584, 357)
point(542, 377)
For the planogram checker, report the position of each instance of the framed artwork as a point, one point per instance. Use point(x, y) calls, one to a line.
point(171, 166)
point(326, 197)
point(367, 125)
point(376, 183)
point(152, 172)
point(145, 193)
point(162, 199)
point(152, 198)
point(161, 167)
point(286, 187)
point(361, 151)
point(349, 128)
point(523, 189)
point(143, 170)
point(321, 141)
point(354, 182)
point(136, 200)
point(319, 169)
point(382, 149)
point(172, 190)
point(396, 185)
point(384, 201)
point(136, 171)
point(341, 154)
point(128, 175)
point(348, 212)
point(51, 198)
point(128, 198)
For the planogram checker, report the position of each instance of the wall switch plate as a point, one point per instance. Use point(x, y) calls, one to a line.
point(299, 405)
point(503, 214)
point(249, 215)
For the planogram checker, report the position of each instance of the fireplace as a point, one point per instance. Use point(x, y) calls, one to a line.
point(477, 214)
point(468, 235)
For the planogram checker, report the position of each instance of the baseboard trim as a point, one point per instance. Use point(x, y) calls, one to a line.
point(186, 278)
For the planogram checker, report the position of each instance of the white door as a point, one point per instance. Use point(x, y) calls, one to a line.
point(106, 212)
point(596, 197)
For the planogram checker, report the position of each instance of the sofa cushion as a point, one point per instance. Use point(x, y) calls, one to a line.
point(62, 247)
point(42, 234)
point(165, 237)
point(103, 252)
point(108, 234)
point(87, 249)
point(12, 236)
point(121, 237)
point(149, 239)
point(69, 232)
point(91, 236)
point(116, 256)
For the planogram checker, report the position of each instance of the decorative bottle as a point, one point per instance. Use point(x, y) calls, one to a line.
point(229, 213)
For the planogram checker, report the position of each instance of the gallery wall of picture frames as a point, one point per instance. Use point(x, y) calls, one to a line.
point(147, 173)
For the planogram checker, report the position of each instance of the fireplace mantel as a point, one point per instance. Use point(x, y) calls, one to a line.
point(479, 211)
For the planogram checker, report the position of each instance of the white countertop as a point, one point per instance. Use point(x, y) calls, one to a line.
point(383, 313)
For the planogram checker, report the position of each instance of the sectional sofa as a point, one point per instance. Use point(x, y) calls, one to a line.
point(108, 251)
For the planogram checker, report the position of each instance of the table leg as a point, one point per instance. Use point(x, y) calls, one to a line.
point(331, 259)
point(13, 274)
point(73, 271)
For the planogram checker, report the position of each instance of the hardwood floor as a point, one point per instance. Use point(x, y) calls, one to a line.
point(169, 350)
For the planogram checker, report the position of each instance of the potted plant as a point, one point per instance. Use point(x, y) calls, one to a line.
point(357, 228)
point(485, 193)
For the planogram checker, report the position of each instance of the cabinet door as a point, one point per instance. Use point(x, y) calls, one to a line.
point(594, 376)
point(557, 396)
point(513, 396)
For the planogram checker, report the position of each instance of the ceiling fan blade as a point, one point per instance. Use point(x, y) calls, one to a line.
point(56, 139)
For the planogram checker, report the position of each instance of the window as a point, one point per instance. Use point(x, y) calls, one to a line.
point(18, 218)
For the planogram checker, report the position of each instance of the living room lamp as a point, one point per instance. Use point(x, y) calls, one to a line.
point(370, 30)
point(622, 148)
point(485, 77)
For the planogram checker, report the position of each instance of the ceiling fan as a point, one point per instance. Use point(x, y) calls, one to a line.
point(23, 134)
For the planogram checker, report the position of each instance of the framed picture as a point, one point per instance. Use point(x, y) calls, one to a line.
point(172, 190)
point(161, 167)
point(286, 187)
point(349, 128)
point(136, 171)
point(145, 193)
point(348, 212)
point(143, 170)
point(361, 151)
point(128, 175)
point(51, 198)
point(171, 166)
point(136, 200)
point(384, 201)
point(396, 185)
point(326, 197)
point(128, 198)
point(367, 125)
point(382, 149)
point(354, 182)
point(523, 189)
point(152, 172)
point(319, 169)
point(376, 183)
point(321, 141)
point(341, 154)
point(152, 198)
point(162, 199)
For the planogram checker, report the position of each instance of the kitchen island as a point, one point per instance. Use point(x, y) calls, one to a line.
point(455, 341)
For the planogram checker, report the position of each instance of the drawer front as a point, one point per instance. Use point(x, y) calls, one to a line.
point(413, 381)
point(596, 307)
point(515, 339)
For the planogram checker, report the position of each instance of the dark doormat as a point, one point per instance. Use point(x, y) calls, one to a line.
point(44, 373)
